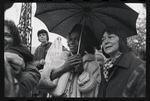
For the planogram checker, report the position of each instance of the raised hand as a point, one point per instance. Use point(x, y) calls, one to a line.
point(15, 59)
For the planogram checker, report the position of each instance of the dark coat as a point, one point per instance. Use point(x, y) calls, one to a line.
point(29, 78)
point(123, 68)
point(136, 86)
point(40, 53)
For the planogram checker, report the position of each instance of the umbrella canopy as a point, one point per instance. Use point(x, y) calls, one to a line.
point(61, 17)
point(7, 5)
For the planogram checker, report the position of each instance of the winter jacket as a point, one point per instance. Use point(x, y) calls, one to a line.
point(89, 80)
point(29, 77)
point(118, 79)
point(136, 86)
point(40, 53)
point(11, 87)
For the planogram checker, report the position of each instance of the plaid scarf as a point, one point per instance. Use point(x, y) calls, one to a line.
point(108, 66)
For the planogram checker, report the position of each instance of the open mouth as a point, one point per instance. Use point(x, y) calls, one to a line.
point(72, 46)
point(108, 47)
point(42, 39)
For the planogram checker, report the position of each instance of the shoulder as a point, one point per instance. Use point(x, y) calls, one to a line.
point(49, 43)
point(140, 70)
point(128, 60)
point(38, 48)
point(137, 62)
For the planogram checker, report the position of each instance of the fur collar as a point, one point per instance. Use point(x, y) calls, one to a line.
point(89, 57)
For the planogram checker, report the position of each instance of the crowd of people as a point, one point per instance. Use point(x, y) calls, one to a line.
point(113, 72)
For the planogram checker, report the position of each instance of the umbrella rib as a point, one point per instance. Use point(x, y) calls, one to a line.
point(75, 6)
point(84, 4)
point(117, 19)
point(91, 21)
point(99, 19)
point(40, 13)
point(64, 20)
point(78, 5)
point(82, 18)
point(90, 5)
point(117, 6)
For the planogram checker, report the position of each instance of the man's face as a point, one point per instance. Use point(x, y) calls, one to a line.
point(42, 37)
point(8, 38)
point(73, 42)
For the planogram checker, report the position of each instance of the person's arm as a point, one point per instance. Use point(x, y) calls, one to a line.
point(136, 86)
point(29, 79)
point(57, 73)
point(9, 89)
point(35, 59)
point(70, 64)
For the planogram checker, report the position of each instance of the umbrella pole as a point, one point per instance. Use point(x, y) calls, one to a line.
point(80, 39)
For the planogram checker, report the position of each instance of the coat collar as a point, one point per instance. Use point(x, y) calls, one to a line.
point(124, 60)
point(45, 43)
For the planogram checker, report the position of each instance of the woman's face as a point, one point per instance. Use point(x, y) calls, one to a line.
point(8, 38)
point(110, 43)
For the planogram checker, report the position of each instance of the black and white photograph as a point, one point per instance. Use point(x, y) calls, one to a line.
point(74, 50)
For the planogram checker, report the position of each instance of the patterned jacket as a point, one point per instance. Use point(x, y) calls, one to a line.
point(136, 86)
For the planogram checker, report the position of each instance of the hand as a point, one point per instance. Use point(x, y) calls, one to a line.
point(10, 90)
point(72, 62)
point(42, 62)
point(15, 59)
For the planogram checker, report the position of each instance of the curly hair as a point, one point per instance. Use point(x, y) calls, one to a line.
point(14, 31)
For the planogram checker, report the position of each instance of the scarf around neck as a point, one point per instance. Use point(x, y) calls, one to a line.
point(108, 66)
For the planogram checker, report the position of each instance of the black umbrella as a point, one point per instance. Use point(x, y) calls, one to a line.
point(7, 6)
point(61, 17)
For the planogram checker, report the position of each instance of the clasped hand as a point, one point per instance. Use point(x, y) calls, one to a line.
point(73, 62)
